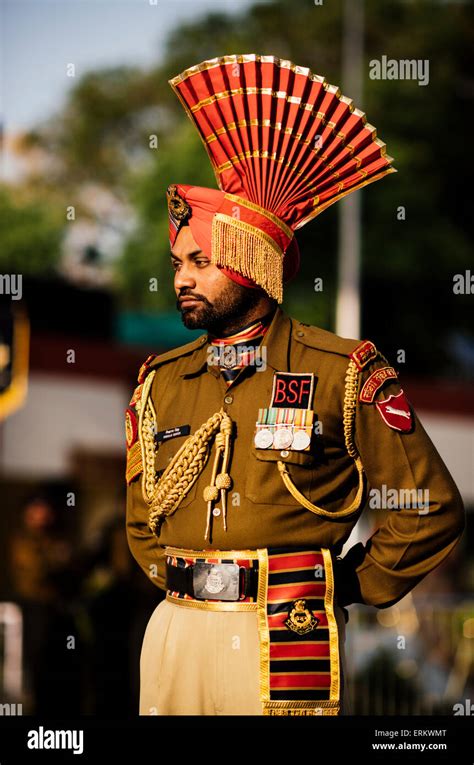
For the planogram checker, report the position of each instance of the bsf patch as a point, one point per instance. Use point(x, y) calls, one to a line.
point(292, 389)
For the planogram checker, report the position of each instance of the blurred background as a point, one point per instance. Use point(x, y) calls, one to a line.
point(91, 136)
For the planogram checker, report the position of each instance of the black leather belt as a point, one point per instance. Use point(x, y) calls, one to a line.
point(213, 581)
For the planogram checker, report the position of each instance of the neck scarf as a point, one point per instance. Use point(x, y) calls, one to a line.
point(238, 350)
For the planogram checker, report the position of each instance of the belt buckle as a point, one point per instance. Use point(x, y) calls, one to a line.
point(216, 581)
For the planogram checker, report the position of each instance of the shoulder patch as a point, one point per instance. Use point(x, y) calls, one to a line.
point(364, 354)
point(131, 425)
point(134, 464)
point(139, 409)
point(134, 459)
point(395, 411)
point(374, 382)
point(145, 367)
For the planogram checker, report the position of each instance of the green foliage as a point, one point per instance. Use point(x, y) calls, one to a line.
point(104, 130)
point(146, 255)
point(413, 120)
point(30, 235)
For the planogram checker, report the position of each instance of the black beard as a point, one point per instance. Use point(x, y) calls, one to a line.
point(226, 314)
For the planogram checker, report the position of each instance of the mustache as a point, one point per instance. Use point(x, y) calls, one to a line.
point(190, 295)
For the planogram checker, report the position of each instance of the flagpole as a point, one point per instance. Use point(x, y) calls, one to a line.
point(348, 312)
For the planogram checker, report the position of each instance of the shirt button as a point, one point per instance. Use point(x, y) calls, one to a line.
point(229, 399)
point(216, 511)
point(284, 453)
point(300, 333)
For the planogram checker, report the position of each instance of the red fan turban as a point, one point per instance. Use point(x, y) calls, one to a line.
point(284, 145)
point(199, 210)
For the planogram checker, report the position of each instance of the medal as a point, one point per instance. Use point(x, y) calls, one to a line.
point(283, 438)
point(284, 427)
point(301, 440)
point(263, 438)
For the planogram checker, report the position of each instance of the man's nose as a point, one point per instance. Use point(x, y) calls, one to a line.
point(184, 278)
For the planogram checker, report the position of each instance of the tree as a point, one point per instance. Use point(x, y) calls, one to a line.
point(104, 133)
point(30, 233)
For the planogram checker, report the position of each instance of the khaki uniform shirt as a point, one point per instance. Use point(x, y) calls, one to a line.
point(261, 511)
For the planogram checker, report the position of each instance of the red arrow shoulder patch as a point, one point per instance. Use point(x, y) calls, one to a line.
point(396, 413)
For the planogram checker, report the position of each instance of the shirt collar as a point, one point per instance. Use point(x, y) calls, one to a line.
point(276, 341)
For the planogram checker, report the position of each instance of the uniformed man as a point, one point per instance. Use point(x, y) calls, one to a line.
point(252, 449)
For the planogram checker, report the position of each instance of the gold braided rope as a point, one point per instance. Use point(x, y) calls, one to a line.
point(186, 466)
point(220, 482)
point(350, 400)
point(146, 430)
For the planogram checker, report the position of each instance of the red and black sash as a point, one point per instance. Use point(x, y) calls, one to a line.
point(298, 632)
point(303, 655)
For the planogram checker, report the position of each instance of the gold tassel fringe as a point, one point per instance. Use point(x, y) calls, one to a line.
point(249, 251)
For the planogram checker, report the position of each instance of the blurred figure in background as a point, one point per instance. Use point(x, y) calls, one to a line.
point(118, 605)
point(40, 557)
point(38, 553)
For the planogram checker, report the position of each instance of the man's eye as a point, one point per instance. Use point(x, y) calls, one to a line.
point(202, 262)
point(174, 264)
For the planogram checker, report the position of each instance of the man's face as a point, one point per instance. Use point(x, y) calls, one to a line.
point(207, 298)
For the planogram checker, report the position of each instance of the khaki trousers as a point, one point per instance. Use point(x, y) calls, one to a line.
point(199, 662)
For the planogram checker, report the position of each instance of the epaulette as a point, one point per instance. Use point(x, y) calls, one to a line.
point(132, 416)
point(140, 415)
point(363, 354)
point(175, 353)
point(322, 340)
